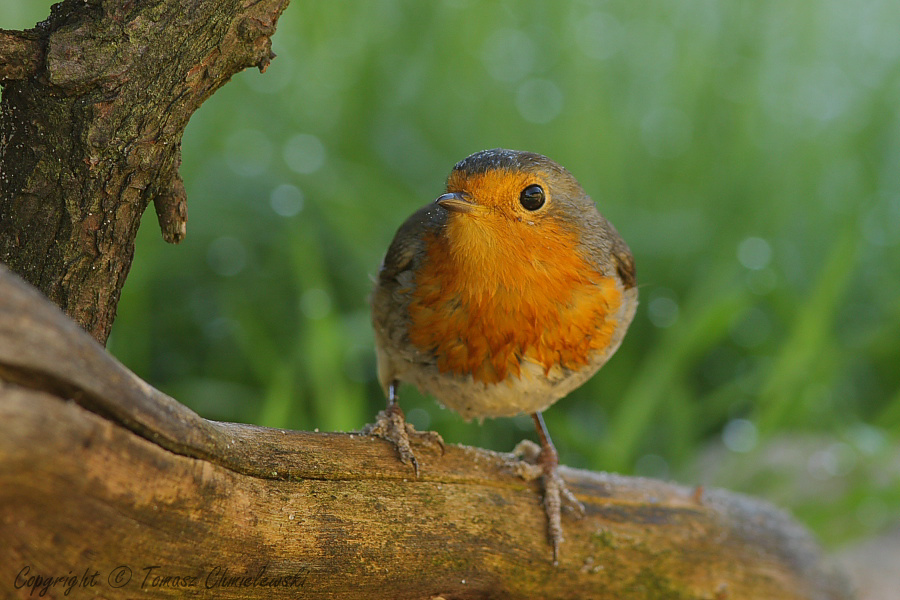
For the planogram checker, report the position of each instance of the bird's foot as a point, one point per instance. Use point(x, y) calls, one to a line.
point(555, 494)
point(539, 463)
point(391, 425)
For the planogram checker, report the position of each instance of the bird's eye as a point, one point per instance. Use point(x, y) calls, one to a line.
point(532, 197)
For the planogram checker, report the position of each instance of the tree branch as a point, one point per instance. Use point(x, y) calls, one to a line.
point(95, 102)
point(100, 472)
point(20, 55)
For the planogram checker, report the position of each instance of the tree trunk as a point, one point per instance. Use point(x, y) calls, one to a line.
point(95, 101)
point(119, 490)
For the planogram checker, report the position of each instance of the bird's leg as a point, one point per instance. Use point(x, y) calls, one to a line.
point(391, 425)
point(555, 490)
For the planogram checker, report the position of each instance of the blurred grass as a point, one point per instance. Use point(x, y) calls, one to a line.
point(748, 152)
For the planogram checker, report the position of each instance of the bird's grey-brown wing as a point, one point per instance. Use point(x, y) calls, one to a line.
point(391, 296)
point(610, 255)
point(405, 251)
point(623, 260)
point(600, 240)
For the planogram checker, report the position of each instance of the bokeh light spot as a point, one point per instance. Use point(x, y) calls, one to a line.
point(662, 311)
point(740, 435)
point(539, 101)
point(304, 153)
point(754, 253)
point(286, 200)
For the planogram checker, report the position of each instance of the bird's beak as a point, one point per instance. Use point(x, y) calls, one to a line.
point(456, 202)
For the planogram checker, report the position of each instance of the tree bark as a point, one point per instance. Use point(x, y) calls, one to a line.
point(112, 488)
point(95, 101)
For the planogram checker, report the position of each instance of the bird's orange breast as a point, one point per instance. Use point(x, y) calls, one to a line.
point(495, 291)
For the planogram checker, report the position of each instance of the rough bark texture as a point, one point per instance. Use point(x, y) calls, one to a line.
point(123, 492)
point(95, 101)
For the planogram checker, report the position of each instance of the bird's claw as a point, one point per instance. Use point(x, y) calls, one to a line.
point(390, 424)
point(535, 463)
point(557, 494)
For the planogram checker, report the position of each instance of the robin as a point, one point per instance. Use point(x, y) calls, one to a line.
point(503, 295)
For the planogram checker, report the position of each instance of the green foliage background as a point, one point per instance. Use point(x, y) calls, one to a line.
point(748, 151)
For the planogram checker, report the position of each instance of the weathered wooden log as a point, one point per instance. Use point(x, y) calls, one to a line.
point(113, 489)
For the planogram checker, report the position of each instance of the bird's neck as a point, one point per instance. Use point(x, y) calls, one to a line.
point(500, 256)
